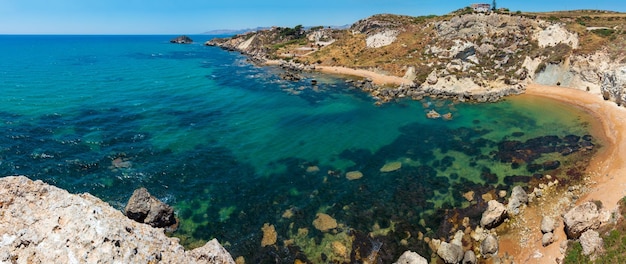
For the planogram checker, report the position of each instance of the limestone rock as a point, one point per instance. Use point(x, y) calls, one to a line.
point(450, 253)
point(432, 114)
point(591, 242)
point(182, 40)
point(547, 239)
point(41, 223)
point(517, 200)
point(145, 208)
point(410, 257)
point(489, 246)
point(469, 257)
point(494, 215)
point(580, 219)
point(548, 224)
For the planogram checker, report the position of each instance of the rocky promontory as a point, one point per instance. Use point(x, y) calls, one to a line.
point(40, 223)
point(464, 55)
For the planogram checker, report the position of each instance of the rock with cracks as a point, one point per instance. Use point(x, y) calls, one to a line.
point(145, 208)
point(580, 219)
point(41, 223)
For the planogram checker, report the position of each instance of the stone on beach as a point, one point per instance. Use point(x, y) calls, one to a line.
point(410, 257)
point(519, 198)
point(391, 166)
point(580, 219)
point(450, 253)
point(494, 215)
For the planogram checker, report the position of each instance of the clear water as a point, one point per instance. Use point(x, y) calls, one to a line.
point(231, 146)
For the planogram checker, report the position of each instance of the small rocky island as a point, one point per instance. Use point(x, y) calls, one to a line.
point(181, 40)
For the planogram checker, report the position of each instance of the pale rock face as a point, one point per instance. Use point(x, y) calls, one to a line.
point(494, 215)
point(591, 242)
point(410, 257)
point(41, 223)
point(555, 34)
point(580, 219)
point(381, 39)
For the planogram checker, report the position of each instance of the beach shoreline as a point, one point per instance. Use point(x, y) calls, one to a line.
point(606, 171)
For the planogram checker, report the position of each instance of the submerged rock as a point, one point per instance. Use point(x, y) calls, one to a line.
point(41, 223)
point(391, 166)
point(269, 235)
point(354, 175)
point(324, 222)
point(145, 208)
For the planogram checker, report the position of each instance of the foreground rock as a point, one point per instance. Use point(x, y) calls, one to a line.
point(580, 219)
point(450, 253)
point(145, 208)
point(494, 215)
point(41, 223)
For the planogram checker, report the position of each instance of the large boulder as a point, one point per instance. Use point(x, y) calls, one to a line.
point(580, 219)
point(145, 208)
point(410, 257)
point(519, 197)
point(591, 242)
point(494, 215)
point(489, 246)
point(450, 253)
point(548, 224)
point(40, 223)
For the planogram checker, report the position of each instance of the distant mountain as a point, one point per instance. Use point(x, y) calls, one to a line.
point(233, 31)
point(241, 31)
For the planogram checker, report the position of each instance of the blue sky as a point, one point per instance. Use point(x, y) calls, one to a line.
point(197, 16)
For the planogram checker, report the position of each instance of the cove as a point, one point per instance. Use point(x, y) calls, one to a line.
point(234, 148)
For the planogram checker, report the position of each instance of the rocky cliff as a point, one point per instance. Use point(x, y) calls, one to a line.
point(463, 55)
point(40, 223)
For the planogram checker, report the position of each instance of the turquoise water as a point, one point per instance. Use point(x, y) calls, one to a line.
point(232, 147)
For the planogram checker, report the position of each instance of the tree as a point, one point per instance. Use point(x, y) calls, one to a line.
point(494, 5)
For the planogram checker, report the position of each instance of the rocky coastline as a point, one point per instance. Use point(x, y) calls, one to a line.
point(40, 223)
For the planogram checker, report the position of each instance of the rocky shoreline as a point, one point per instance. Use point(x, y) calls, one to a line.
point(41, 223)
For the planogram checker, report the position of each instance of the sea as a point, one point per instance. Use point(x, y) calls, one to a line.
point(278, 171)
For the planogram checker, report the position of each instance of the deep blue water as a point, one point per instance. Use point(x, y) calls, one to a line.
point(232, 147)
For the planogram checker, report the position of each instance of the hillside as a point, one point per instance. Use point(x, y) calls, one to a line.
point(464, 55)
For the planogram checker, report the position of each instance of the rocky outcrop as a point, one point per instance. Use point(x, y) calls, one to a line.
point(41, 223)
point(410, 257)
point(181, 40)
point(145, 208)
point(614, 85)
point(580, 219)
point(494, 215)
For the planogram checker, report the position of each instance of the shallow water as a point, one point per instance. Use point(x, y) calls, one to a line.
point(231, 146)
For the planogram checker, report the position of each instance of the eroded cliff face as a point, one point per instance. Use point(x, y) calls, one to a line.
point(464, 55)
point(40, 223)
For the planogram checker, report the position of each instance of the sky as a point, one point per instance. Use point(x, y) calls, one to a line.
point(198, 16)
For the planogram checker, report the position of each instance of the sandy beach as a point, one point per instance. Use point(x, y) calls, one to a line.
point(607, 174)
point(607, 169)
point(377, 78)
